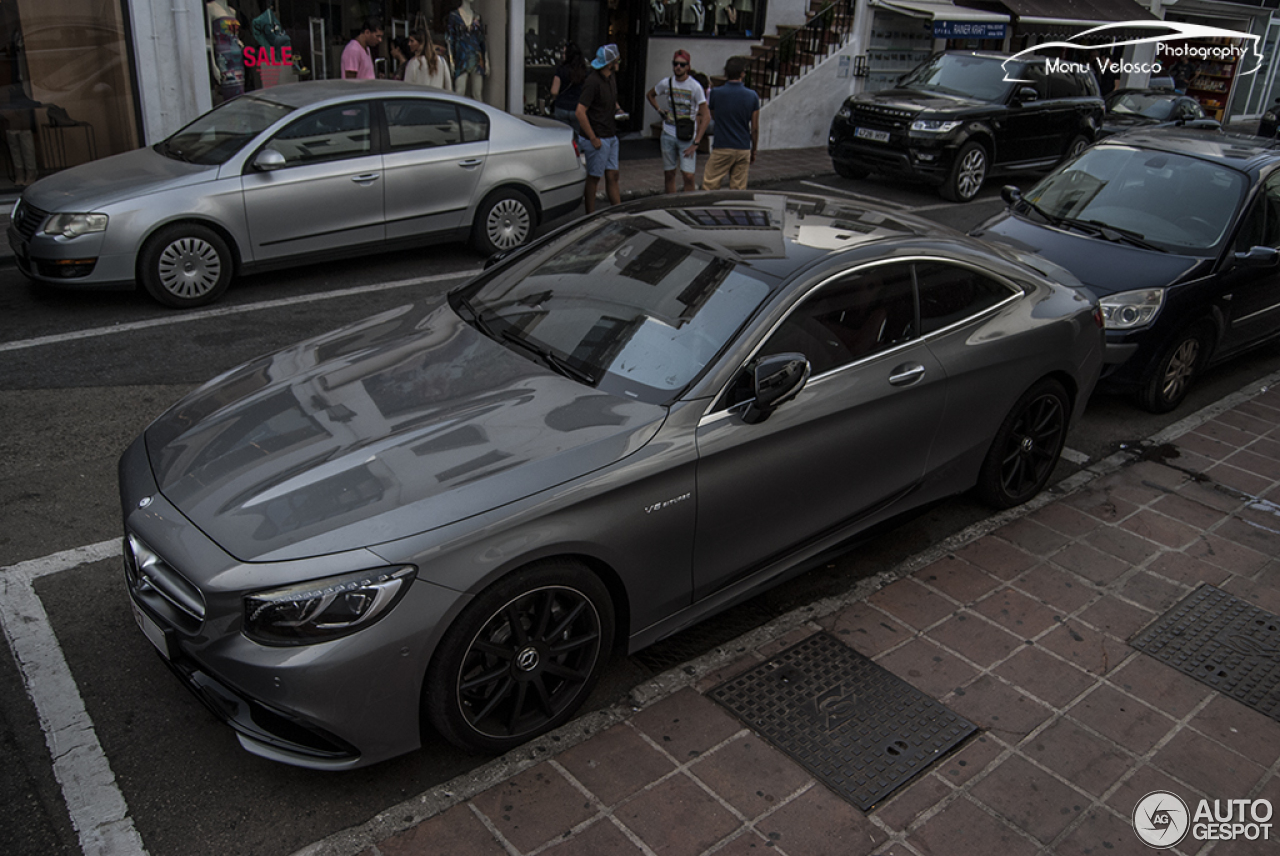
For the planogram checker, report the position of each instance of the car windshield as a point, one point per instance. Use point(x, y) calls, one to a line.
point(1177, 203)
point(959, 74)
point(1152, 106)
point(217, 135)
point(618, 306)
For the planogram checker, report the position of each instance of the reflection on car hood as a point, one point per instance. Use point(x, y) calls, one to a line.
point(91, 186)
point(1102, 266)
point(396, 425)
point(917, 100)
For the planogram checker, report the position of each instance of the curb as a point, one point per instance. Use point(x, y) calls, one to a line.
point(436, 800)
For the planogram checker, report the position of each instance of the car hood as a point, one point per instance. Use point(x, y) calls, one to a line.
point(917, 101)
point(94, 185)
point(403, 423)
point(1102, 266)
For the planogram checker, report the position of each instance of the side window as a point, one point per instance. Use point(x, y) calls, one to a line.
point(849, 319)
point(1063, 85)
point(330, 134)
point(421, 123)
point(475, 125)
point(949, 294)
point(1262, 225)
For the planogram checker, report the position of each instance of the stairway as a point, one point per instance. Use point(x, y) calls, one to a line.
point(782, 58)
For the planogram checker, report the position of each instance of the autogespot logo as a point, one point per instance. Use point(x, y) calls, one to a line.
point(1172, 45)
point(1160, 819)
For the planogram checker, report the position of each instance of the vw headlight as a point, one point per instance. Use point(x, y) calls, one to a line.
point(1131, 309)
point(321, 610)
point(75, 225)
point(934, 126)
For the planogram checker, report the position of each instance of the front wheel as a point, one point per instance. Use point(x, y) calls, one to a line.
point(1026, 448)
point(505, 220)
point(1169, 380)
point(185, 265)
point(521, 658)
point(967, 173)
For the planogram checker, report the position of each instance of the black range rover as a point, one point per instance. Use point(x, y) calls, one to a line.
point(959, 117)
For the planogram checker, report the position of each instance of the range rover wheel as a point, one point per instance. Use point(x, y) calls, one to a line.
point(967, 173)
point(1078, 144)
point(521, 658)
point(185, 265)
point(844, 169)
point(1027, 446)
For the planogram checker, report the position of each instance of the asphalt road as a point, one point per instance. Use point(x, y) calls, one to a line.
point(82, 374)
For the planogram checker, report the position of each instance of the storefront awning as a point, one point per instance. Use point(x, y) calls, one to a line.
point(1076, 13)
point(941, 10)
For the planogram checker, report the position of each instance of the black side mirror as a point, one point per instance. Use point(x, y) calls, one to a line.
point(1025, 94)
point(775, 380)
point(1011, 195)
point(1259, 257)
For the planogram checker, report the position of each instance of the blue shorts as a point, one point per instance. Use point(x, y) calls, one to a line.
point(673, 155)
point(601, 159)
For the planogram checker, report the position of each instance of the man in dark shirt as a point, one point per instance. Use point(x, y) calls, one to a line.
point(597, 109)
point(736, 111)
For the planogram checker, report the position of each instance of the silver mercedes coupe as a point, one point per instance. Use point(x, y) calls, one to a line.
point(444, 518)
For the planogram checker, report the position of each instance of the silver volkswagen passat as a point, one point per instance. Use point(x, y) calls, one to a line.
point(295, 174)
point(446, 516)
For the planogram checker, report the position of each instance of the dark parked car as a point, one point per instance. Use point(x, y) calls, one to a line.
point(449, 515)
point(959, 118)
point(1270, 121)
point(1128, 109)
point(1178, 233)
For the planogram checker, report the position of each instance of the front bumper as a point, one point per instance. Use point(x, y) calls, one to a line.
point(903, 155)
point(75, 263)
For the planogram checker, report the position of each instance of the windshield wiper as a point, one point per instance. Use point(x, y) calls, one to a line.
point(1050, 218)
point(476, 319)
point(553, 361)
point(176, 154)
point(1123, 236)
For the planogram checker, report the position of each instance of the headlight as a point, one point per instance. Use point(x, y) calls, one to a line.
point(74, 225)
point(1131, 309)
point(325, 609)
point(934, 126)
point(845, 111)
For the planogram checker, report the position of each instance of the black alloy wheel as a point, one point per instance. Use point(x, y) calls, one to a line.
point(1079, 144)
point(521, 659)
point(1027, 446)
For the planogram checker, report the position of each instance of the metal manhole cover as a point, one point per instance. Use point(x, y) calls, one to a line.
point(857, 727)
point(1223, 641)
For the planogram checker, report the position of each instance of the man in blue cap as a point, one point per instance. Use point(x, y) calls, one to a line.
point(597, 117)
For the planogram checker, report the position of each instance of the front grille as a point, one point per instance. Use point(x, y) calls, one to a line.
point(884, 118)
point(149, 576)
point(27, 219)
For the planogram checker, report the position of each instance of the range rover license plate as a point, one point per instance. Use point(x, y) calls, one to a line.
point(871, 134)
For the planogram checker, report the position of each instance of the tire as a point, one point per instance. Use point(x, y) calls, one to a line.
point(1078, 144)
point(845, 169)
point(1027, 446)
point(521, 658)
point(505, 220)
point(1170, 377)
point(967, 173)
point(186, 265)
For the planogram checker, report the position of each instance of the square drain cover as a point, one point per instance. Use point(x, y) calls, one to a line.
point(857, 727)
point(1223, 641)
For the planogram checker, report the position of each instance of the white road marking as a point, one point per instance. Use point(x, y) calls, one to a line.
point(1075, 457)
point(97, 807)
point(203, 314)
point(885, 202)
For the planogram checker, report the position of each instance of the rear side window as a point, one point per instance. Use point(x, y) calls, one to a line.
point(475, 125)
point(1064, 85)
point(421, 123)
point(950, 294)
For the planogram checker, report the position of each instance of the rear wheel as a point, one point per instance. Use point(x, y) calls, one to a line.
point(1027, 446)
point(185, 265)
point(1079, 144)
point(1169, 380)
point(521, 658)
point(505, 220)
point(967, 173)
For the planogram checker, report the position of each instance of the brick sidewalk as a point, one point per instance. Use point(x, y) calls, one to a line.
point(1022, 629)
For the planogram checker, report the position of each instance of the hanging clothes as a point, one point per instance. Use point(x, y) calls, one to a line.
point(466, 45)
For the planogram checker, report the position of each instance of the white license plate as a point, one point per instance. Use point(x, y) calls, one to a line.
point(871, 134)
point(151, 630)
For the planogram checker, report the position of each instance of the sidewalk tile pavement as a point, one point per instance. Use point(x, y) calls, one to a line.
point(1024, 631)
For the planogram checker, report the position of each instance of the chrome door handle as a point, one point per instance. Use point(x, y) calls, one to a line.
point(471, 162)
point(367, 178)
point(906, 374)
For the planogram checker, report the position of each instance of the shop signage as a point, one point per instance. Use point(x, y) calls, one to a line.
point(968, 30)
point(268, 56)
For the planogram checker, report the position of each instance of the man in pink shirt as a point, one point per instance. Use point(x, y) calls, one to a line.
point(357, 64)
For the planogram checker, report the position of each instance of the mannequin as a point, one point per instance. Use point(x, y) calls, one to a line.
point(226, 49)
point(468, 53)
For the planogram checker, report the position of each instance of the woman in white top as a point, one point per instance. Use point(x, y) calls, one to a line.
point(427, 68)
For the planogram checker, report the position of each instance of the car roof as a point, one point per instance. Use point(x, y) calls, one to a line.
point(1237, 151)
point(781, 234)
point(312, 92)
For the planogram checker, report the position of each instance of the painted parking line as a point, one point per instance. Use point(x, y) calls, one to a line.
point(885, 202)
point(205, 314)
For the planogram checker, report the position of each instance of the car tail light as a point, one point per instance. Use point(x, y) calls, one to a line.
point(576, 151)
